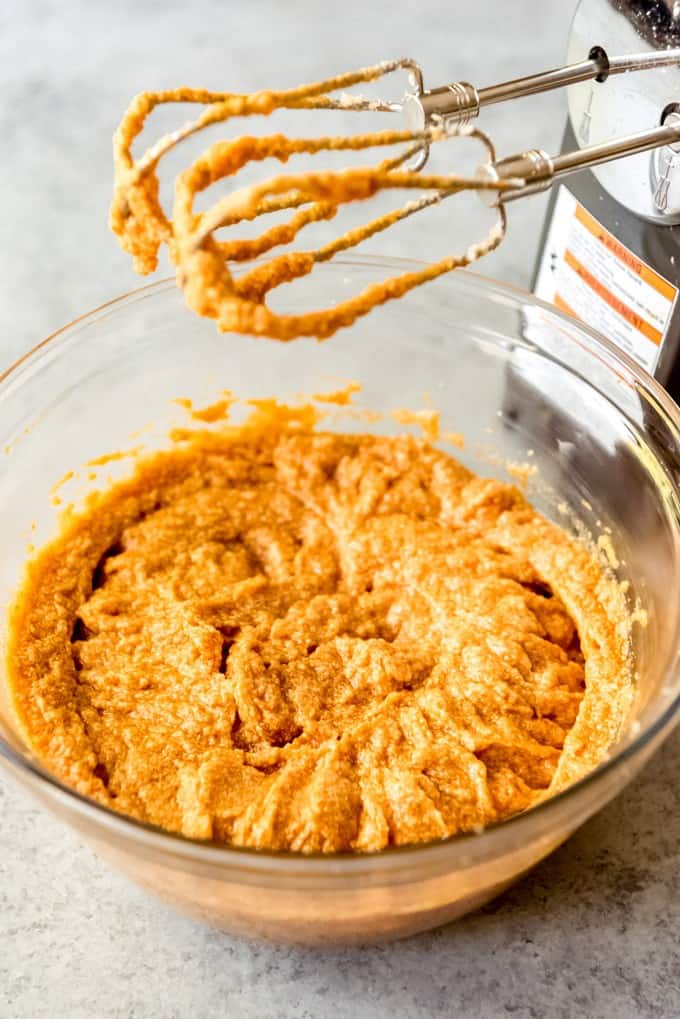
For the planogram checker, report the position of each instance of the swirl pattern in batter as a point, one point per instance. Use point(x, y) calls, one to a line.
point(310, 641)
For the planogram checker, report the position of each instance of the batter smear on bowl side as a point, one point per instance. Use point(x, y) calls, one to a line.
point(289, 639)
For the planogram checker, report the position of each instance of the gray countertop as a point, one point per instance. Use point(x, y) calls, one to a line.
point(593, 931)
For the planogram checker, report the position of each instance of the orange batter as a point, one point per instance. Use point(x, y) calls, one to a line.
point(205, 263)
point(299, 640)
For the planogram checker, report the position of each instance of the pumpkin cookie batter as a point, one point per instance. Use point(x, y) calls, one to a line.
point(205, 263)
point(300, 640)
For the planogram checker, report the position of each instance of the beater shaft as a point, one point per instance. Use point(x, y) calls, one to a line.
point(460, 102)
point(540, 171)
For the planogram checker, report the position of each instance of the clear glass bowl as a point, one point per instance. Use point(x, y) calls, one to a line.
point(512, 375)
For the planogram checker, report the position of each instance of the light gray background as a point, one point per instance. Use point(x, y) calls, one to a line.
point(594, 931)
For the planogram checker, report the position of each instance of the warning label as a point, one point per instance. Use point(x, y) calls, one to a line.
point(588, 273)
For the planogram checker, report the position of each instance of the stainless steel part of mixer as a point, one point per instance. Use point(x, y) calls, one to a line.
point(539, 171)
point(648, 184)
point(460, 102)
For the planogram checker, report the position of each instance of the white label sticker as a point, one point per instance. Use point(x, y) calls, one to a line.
point(590, 274)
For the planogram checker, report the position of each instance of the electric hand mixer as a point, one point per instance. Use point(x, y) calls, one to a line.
point(238, 302)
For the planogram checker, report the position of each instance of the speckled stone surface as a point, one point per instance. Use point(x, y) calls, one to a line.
point(595, 930)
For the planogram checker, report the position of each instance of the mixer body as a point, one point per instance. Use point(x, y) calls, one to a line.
point(610, 249)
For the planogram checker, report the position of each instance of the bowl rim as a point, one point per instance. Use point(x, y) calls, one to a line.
point(338, 865)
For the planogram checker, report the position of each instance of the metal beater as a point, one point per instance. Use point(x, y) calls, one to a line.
point(238, 302)
point(460, 103)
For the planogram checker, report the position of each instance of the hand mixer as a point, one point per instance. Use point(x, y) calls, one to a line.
point(238, 301)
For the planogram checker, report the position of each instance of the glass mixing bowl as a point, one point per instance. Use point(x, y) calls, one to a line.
point(523, 383)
